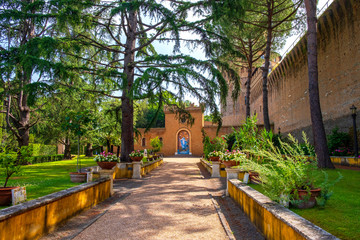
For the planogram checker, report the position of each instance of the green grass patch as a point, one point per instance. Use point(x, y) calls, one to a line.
point(44, 178)
point(341, 214)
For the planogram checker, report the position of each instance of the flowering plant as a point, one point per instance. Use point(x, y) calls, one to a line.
point(136, 154)
point(106, 157)
point(236, 155)
point(342, 151)
point(215, 154)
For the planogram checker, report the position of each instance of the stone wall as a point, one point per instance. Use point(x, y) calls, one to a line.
point(30, 220)
point(339, 75)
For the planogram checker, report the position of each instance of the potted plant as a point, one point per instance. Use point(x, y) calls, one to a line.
point(156, 144)
point(287, 175)
point(106, 160)
point(136, 156)
point(10, 163)
point(214, 156)
point(230, 159)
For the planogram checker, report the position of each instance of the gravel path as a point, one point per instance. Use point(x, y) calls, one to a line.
point(175, 201)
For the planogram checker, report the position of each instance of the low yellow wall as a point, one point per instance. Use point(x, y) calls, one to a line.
point(125, 170)
point(37, 217)
point(149, 167)
point(346, 161)
point(206, 165)
point(272, 220)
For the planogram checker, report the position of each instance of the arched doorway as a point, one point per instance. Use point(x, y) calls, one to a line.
point(183, 142)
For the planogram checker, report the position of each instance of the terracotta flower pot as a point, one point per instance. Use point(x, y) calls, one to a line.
point(254, 177)
point(78, 177)
point(230, 163)
point(5, 195)
point(214, 159)
point(136, 159)
point(303, 195)
point(106, 165)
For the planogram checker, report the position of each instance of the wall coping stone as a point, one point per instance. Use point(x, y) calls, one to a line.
point(232, 170)
point(207, 163)
point(26, 206)
point(304, 227)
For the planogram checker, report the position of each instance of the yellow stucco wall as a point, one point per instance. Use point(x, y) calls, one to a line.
point(32, 224)
point(268, 224)
point(126, 170)
point(173, 126)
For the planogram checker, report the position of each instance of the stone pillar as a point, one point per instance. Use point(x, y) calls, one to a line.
point(231, 173)
point(89, 176)
point(105, 173)
point(215, 170)
point(137, 170)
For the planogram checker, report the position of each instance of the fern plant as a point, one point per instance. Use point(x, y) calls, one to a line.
point(285, 169)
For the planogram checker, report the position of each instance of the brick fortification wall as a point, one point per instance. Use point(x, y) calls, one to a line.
point(339, 75)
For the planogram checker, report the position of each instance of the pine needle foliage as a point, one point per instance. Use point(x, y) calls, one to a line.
point(286, 169)
point(122, 55)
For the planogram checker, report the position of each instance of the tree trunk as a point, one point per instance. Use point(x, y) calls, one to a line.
point(318, 129)
point(89, 150)
point(67, 151)
point(248, 83)
point(265, 77)
point(112, 149)
point(127, 127)
point(108, 145)
point(118, 151)
point(102, 148)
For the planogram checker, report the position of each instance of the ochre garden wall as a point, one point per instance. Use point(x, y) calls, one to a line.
point(173, 126)
point(32, 219)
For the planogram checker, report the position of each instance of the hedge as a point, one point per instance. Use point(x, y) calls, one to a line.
point(39, 149)
point(46, 158)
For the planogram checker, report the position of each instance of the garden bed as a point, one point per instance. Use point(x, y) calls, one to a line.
point(44, 178)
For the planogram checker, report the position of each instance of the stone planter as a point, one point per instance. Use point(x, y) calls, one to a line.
point(5, 195)
point(229, 164)
point(78, 177)
point(214, 159)
point(303, 197)
point(106, 165)
point(136, 159)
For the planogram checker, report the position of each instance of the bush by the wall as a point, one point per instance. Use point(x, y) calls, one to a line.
point(338, 143)
point(38, 149)
point(46, 158)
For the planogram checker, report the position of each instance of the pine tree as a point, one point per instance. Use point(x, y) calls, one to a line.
point(28, 57)
point(125, 37)
point(321, 149)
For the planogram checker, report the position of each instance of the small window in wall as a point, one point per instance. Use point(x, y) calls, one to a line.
point(143, 142)
point(260, 108)
point(161, 139)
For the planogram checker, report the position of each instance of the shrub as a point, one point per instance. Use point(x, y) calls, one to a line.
point(216, 144)
point(156, 144)
point(10, 162)
point(37, 149)
point(282, 174)
point(248, 136)
point(338, 140)
point(46, 158)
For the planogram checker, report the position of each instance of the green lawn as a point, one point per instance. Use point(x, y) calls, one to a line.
point(341, 215)
point(44, 178)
